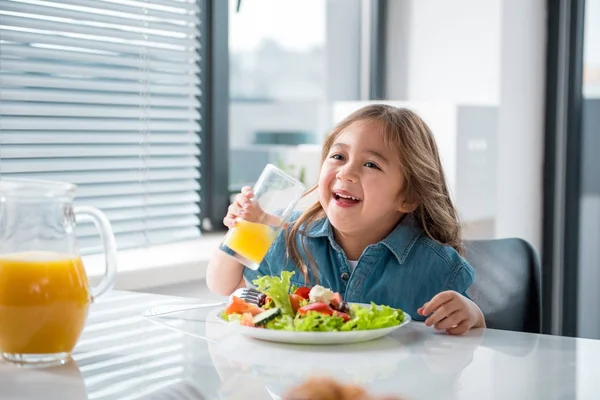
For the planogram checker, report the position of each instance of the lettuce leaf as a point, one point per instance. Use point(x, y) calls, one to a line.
point(281, 323)
point(277, 289)
point(374, 317)
point(316, 322)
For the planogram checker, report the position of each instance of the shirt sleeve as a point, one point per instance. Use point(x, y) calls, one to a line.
point(462, 279)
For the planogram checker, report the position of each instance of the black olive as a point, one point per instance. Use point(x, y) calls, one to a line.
point(262, 298)
point(343, 307)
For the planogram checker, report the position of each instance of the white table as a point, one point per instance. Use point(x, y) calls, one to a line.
point(122, 355)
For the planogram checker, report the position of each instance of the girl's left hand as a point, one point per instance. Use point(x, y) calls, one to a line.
point(452, 312)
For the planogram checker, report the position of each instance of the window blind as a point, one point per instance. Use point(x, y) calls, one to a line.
point(105, 94)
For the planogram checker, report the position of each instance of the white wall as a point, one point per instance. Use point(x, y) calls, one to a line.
point(591, 44)
point(521, 120)
point(444, 50)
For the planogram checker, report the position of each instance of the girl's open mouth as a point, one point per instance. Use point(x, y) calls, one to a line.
point(345, 199)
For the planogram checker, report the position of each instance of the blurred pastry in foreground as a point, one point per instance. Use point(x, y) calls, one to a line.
point(329, 389)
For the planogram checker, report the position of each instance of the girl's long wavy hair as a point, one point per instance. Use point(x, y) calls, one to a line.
point(425, 182)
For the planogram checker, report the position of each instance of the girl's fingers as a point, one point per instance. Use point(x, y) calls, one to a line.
point(460, 329)
point(242, 205)
point(442, 312)
point(247, 191)
point(230, 220)
point(234, 210)
point(242, 200)
point(437, 301)
point(240, 208)
point(450, 321)
point(248, 194)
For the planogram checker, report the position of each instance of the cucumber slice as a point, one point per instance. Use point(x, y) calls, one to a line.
point(266, 316)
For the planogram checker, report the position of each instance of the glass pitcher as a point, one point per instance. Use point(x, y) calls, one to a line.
point(44, 290)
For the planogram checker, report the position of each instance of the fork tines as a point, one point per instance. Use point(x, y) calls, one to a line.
point(249, 295)
point(252, 292)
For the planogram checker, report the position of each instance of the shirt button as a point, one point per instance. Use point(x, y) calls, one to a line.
point(345, 276)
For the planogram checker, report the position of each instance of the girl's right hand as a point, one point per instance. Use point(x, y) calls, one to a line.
point(243, 207)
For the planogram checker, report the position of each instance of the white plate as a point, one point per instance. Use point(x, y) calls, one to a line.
point(348, 337)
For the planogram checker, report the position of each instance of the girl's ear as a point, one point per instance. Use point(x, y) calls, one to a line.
point(406, 206)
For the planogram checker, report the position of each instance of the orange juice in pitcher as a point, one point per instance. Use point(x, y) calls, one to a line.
point(44, 291)
point(44, 301)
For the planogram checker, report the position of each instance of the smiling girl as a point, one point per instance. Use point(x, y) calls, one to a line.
point(384, 229)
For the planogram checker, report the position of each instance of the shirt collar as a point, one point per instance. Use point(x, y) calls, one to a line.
point(400, 241)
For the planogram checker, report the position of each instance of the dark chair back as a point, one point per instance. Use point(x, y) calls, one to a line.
point(507, 284)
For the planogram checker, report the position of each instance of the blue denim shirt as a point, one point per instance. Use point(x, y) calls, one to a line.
point(404, 270)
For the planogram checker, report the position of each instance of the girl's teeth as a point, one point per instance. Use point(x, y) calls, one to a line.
point(347, 197)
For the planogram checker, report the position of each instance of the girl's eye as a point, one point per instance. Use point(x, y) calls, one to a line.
point(337, 157)
point(369, 164)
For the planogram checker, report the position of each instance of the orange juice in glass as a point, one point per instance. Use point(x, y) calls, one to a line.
point(276, 193)
point(44, 290)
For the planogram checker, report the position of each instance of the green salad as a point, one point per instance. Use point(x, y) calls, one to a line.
point(301, 309)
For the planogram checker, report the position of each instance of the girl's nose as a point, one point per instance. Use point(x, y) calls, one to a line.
point(347, 173)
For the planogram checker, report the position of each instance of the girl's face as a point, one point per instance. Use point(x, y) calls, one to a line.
point(361, 182)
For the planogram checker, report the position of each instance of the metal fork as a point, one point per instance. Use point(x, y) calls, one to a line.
point(250, 295)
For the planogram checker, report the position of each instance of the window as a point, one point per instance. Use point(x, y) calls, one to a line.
point(105, 94)
point(289, 61)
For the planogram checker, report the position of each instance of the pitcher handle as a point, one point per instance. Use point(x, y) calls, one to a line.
point(99, 219)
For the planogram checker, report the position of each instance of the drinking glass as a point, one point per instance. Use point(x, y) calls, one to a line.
point(275, 196)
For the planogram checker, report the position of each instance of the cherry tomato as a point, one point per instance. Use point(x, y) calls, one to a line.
point(318, 307)
point(296, 299)
point(303, 292)
point(343, 315)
